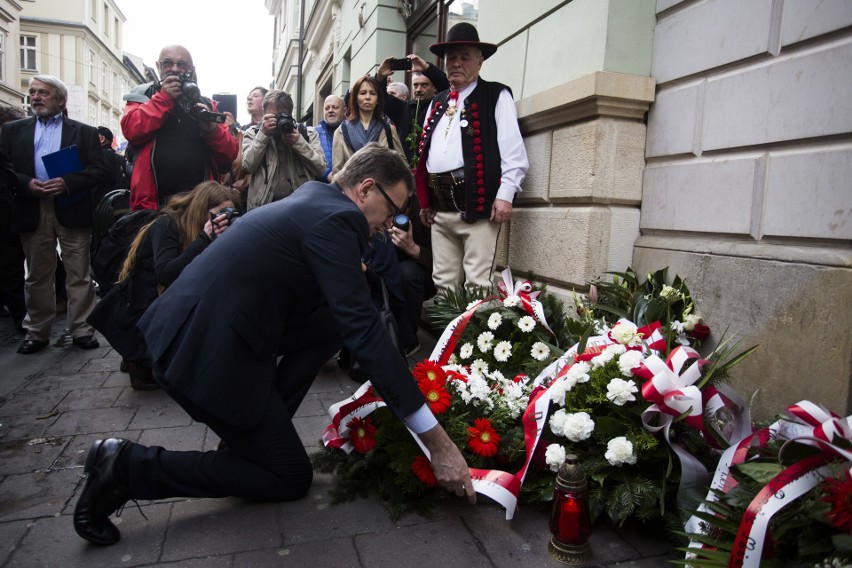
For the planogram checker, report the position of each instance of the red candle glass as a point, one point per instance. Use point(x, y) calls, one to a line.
point(570, 523)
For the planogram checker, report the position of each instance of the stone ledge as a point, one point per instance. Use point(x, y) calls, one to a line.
point(597, 94)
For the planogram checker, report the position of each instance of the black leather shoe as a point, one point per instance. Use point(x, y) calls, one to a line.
point(30, 346)
point(86, 342)
point(102, 495)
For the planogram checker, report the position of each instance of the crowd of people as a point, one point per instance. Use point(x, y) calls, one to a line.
point(271, 247)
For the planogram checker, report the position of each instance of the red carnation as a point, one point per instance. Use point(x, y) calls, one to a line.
point(838, 493)
point(422, 469)
point(363, 434)
point(436, 395)
point(482, 438)
point(429, 371)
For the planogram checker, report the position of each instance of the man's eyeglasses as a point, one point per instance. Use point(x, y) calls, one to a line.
point(182, 65)
point(394, 209)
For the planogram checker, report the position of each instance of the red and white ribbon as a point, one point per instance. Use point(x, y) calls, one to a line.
point(523, 289)
point(673, 392)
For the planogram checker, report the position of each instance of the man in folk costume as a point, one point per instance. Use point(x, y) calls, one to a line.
point(472, 162)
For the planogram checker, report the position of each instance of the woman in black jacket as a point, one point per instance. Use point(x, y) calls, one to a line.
point(182, 230)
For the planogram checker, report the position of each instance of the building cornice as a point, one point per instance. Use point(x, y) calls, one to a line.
point(598, 94)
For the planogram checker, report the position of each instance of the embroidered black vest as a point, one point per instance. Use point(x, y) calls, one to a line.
point(481, 152)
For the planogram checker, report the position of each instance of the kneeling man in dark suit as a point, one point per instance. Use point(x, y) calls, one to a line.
point(285, 280)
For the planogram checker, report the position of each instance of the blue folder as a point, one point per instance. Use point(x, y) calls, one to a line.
point(60, 163)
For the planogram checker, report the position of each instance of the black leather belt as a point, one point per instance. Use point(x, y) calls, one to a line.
point(446, 190)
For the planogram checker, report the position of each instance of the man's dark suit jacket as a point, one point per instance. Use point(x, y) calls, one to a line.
point(17, 139)
point(215, 331)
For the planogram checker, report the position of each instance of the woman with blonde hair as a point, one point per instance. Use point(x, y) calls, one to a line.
point(365, 122)
point(182, 230)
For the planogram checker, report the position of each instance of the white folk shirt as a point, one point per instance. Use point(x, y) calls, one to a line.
point(445, 152)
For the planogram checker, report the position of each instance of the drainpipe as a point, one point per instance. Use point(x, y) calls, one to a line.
point(301, 61)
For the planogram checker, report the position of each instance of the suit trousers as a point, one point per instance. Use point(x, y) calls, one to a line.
point(463, 254)
point(39, 287)
point(266, 463)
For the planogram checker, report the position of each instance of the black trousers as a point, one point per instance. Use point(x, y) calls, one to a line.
point(266, 463)
point(12, 274)
point(418, 287)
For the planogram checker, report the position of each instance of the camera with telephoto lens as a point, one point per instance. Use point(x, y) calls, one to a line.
point(285, 123)
point(401, 222)
point(191, 96)
point(229, 212)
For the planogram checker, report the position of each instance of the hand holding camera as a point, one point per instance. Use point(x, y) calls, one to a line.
point(220, 221)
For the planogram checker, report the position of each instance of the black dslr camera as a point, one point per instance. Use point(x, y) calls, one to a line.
point(285, 123)
point(191, 97)
point(229, 212)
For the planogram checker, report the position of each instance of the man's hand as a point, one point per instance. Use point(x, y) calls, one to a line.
point(404, 240)
point(449, 466)
point(269, 124)
point(427, 216)
point(384, 71)
point(418, 64)
point(501, 211)
point(292, 138)
point(172, 86)
point(49, 188)
point(206, 127)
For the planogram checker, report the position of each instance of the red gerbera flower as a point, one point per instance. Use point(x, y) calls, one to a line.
point(423, 470)
point(437, 397)
point(429, 371)
point(482, 438)
point(838, 493)
point(363, 434)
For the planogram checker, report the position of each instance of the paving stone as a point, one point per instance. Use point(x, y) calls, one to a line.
point(646, 538)
point(224, 561)
point(32, 403)
point(89, 398)
point(103, 365)
point(519, 542)
point(179, 438)
point(140, 543)
point(26, 426)
point(131, 397)
point(160, 413)
point(311, 406)
point(315, 518)
point(25, 456)
point(219, 526)
point(10, 534)
point(338, 552)
point(97, 420)
point(65, 381)
point(75, 453)
point(36, 494)
point(444, 543)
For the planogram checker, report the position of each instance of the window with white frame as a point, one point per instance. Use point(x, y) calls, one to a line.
point(92, 67)
point(95, 10)
point(104, 77)
point(107, 19)
point(29, 52)
point(2, 56)
point(93, 112)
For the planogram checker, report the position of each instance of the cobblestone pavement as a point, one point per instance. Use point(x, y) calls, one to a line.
point(55, 403)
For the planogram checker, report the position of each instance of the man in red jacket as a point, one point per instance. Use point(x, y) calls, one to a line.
point(169, 125)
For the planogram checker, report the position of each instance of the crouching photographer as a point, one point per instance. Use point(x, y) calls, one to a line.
point(191, 140)
point(279, 153)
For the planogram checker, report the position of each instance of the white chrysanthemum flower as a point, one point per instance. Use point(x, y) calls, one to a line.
point(512, 301)
point(502, 351)
point(554, 456)
point(578, 426)
point(526, 324)
point(484, 341)
point(453, 359)
point(495, 320)
point(557, 391)
point(626, 333)
point(557, 422)
point(677, 326)
point(539, 351)
point(479, 367)
point(629, 361)
point(499, 377)
point(619, 391)
point(620, 451)
point(466, 351)
point(478, 387)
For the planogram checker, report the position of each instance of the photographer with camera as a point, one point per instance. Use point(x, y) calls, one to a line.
point(279, 154)
point(192, 141)
point(181, 230)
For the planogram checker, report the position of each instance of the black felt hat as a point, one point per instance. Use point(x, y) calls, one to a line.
point(461, 35)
